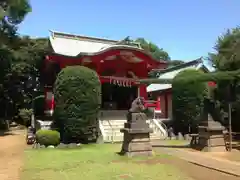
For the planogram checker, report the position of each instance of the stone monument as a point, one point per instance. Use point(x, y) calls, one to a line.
point(211, 137)
point(136, 139)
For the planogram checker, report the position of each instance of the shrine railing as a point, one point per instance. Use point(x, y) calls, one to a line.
point(158, 128)
point(102, 130)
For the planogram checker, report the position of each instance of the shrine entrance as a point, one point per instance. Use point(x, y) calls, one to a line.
point(117, 97)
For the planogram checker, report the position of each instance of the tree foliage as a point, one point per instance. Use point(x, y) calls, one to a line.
point(12, 12)
point(153, 49)
point(227, 56)
point(156, 52)
point(187, 101)
point(20, 63)
point(77, 94)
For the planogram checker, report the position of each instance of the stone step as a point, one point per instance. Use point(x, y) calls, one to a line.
point(113, 122)
point(120, 139)
point(113, 134)
point(117, 130)
point(118, 122)
point(121, 126)
point(113, 128)
point(118, 133)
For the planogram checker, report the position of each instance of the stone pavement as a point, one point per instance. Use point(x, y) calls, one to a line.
point(202, 159)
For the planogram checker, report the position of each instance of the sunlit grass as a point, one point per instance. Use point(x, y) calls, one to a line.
point(94, 162)
point(177, 142)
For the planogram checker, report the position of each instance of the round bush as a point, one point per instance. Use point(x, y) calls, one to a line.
point(187, 101)
point(48, 137)
point(77, 94)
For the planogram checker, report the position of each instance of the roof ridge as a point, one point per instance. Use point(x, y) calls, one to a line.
point(69, 35)
point(187, 64)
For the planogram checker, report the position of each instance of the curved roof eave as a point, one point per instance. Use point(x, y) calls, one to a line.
point(114, 47)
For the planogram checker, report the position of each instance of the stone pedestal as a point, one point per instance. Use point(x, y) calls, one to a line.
point(211, 137)
point(136, 141)
point(210, 130)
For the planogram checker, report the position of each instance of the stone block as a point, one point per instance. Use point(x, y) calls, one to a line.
point(180, 136)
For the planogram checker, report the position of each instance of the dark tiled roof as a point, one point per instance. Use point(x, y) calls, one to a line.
point(187, 64)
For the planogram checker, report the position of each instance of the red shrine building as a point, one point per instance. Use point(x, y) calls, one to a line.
point(119, 65)
point(164, 91)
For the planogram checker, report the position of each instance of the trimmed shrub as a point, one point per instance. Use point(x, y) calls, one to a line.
point(187, 101)
point(77, 94)
point(48, 137)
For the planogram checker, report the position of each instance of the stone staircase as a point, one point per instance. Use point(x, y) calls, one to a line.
point(111, 122)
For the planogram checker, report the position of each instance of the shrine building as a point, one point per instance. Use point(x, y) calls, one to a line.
point(119, 65)
point(164, 91)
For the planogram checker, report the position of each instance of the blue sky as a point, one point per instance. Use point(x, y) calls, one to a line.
point(186, 29)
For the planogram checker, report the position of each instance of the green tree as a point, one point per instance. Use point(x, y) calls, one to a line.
point(77, 93)
point(187, 101)
point(227, 55)
point(21, 62)
point(12, 12)
point(153, 49)
point(227, 58)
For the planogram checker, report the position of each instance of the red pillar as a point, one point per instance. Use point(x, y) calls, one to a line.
point(143, 91)
point(166, 104)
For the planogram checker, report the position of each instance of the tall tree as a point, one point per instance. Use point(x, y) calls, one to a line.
point(227, 56)
point(12, 12)
point(25, 60)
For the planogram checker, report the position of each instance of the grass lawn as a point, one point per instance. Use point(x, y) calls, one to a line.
point(95, 162)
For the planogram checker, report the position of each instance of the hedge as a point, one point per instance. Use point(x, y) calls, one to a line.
point(187, 101)
point(77, 94)
point(48, 137)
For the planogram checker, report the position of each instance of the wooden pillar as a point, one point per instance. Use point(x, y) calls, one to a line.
point(98, 66)
point(143, 91)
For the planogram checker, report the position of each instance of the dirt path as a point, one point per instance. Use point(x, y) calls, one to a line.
point(11, 154)
point(198, 172)
point(194, 171)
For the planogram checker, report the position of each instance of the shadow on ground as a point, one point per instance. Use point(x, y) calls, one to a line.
point(172, 146)
point(6, 133)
